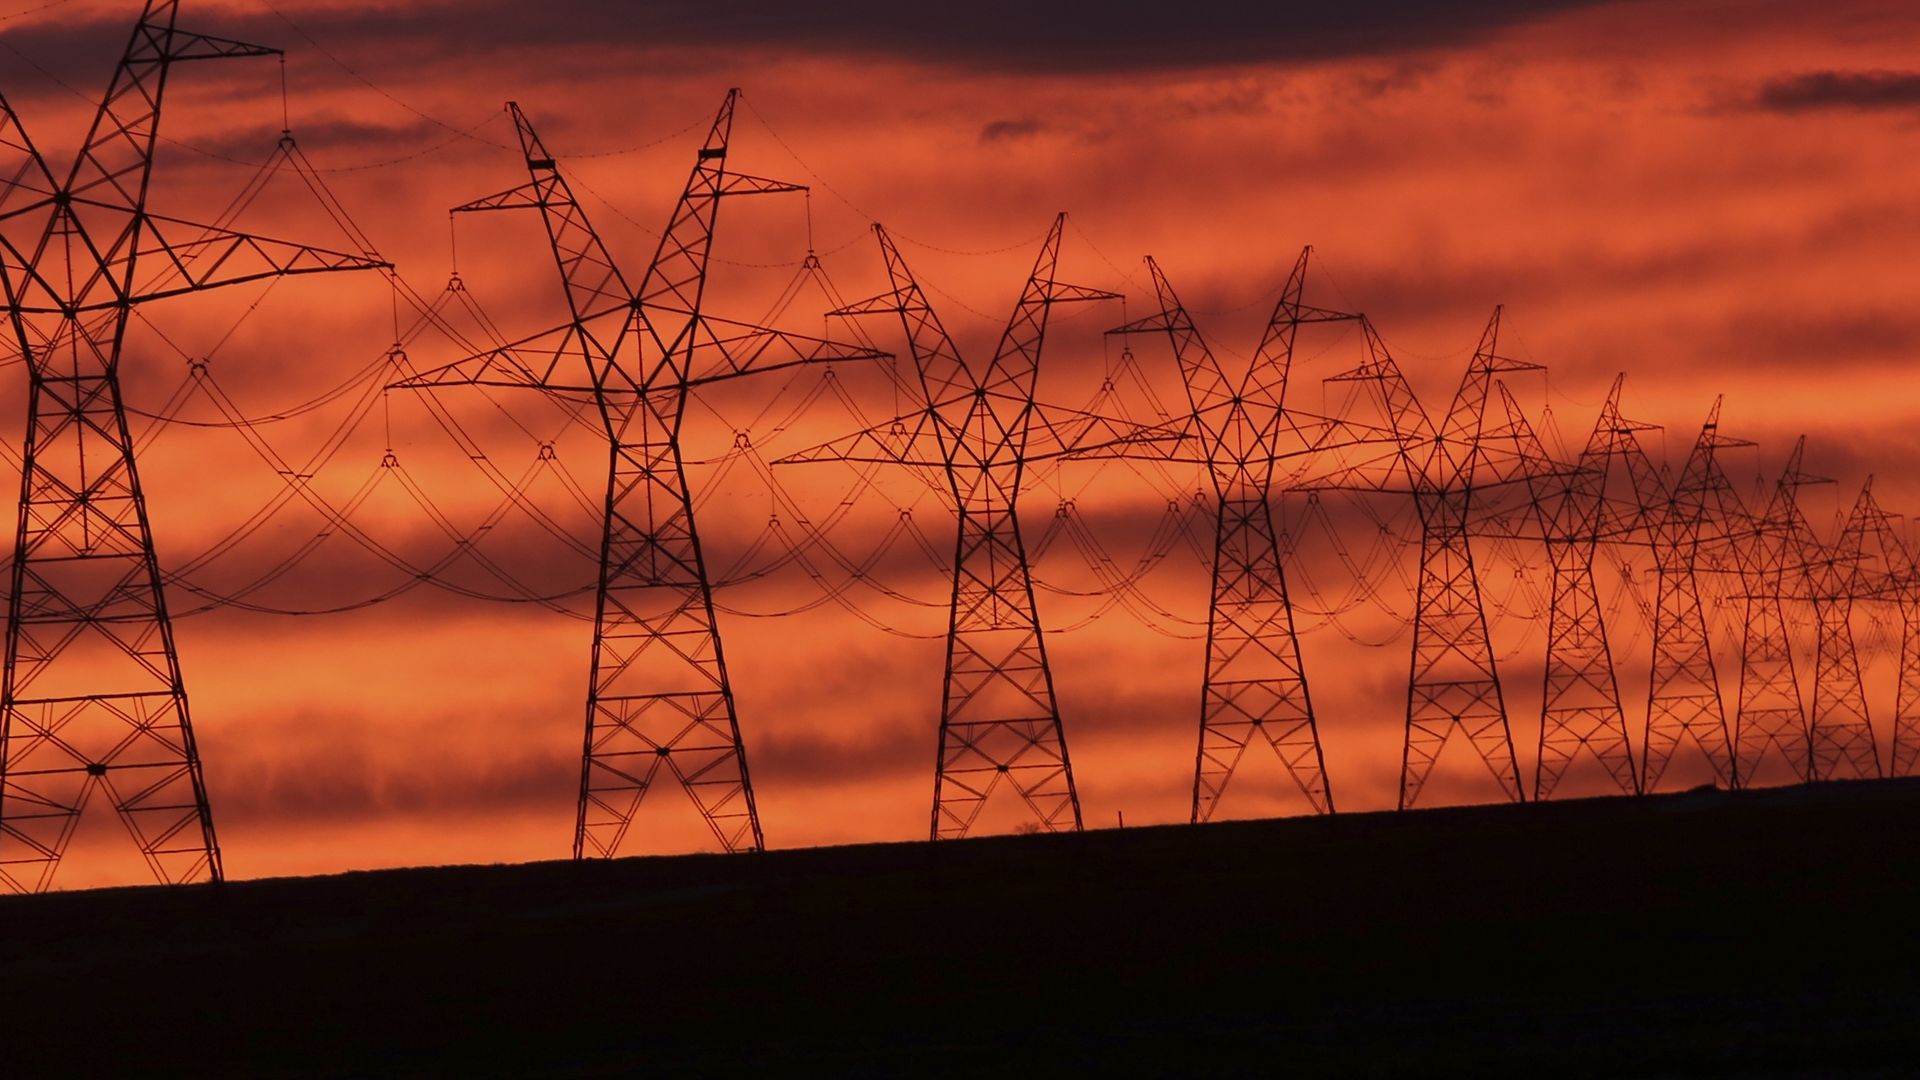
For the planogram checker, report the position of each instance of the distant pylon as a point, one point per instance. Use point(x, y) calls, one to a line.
point(1580, 701)
point(1255, 683)
point(1772, 719)
point(1839, 730)
point(999, 721)
point(1683, 694)
point(1452, 684)
point(1899, 584)
point(659, 696)
point(94, 703)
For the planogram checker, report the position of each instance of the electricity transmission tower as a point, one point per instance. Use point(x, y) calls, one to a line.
point(1683, 694)
point(1255, 683)
point(999, 721)
point(1839, 730)
point(658, 696)
point(1898, 583)
point(1772, 719)
point(1452, 684)
point(94, 704)
point(1580, 703)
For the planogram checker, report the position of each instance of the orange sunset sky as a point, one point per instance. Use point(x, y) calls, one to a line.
point(1713, 197)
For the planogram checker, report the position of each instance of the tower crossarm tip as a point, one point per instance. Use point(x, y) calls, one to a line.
point(1056, 431)
point(743, 184)
point(892, 303)
point(524, 197)
point(534, 363)
point(905, 440)
point(1304, 313)
point(212, 258)
point(182, 46)
point(721, 349)
point(1174, 321)
point(1058, 292)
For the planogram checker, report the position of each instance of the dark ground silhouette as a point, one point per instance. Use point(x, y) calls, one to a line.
point(1767, 932)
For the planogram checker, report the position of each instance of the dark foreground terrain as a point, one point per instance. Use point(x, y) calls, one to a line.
point(1769, 932)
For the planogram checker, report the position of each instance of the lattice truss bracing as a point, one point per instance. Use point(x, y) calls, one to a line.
point(1886, 572)
point(1254, 684)
point(1684, 706)
point(981, 429)
point(1840, 740)
point(658, 698)
point(1580, 713)
point(94, 704)
point(1452, 684)
point(1771, 721)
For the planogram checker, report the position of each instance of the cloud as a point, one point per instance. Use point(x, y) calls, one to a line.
point(1000, 130)
point(999, 35)
point(1863, 90)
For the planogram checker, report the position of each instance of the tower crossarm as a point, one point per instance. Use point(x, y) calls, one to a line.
point(590, 278)
point(1209, 390)
point(116, 159)
point(560, 360)
point(1458, 450)
point(1266, 377)
point(942, 373)
point(677, 275)
point(722, 349)
point(1002, 411)
point(1413, 431)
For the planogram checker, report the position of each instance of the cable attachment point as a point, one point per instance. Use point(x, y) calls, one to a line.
point(546, 452)
point(742, 441)
point(197, 367)
point(389, 460)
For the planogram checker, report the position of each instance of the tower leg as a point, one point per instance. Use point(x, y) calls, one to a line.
point(93, 706)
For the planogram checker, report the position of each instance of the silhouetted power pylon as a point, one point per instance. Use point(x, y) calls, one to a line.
point(1772, 719)
point(1896, 582)
point(1683, 693)
point(94, 703)
point(1452, 684)
point(1255, 683)
point(658, 697)
point(1580, 710)
point(999, 721)
point(1839, 731)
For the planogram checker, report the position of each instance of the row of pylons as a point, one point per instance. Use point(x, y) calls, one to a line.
point(95, 706)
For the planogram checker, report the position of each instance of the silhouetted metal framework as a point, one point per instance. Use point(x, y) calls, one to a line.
point(1580, 710)
point(93, 703)
point(658, 697)
point(999, 721)
point(1683, 693)
point(1897, 582)
point(1839, 731)
point(1772, 720)
point(1452, 684)
point(1255, 683)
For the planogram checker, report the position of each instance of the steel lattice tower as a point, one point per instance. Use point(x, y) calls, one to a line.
point(1839, 730)
point(1255, 683)
point(1580, 702)
point(1452, 684)
point(658, 696)
point(999, 721)
point(1899, 583)
point(1772, 718)
point(94, 703)
point(1683, 694)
